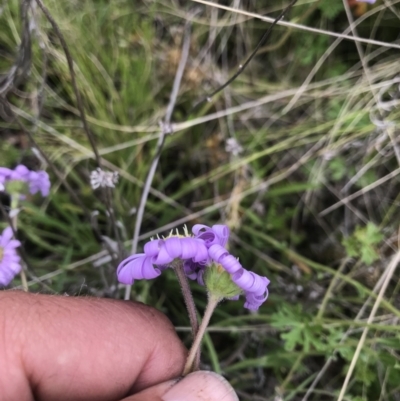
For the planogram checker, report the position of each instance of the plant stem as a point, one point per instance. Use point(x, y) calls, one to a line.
point(14, 224)
point(190, 306)
point(212, 303)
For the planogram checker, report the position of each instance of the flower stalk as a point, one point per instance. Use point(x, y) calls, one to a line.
point(14, 225)
point(190, 306)
point(211, 305)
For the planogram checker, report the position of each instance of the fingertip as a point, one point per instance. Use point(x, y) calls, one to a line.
point(153, 393)
point(198, 386)
point(201, 386)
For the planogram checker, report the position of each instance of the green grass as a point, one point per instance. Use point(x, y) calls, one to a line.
point(296, 162)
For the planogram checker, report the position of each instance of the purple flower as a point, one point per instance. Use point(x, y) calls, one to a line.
point(4, 174)
point(9, 260)
point(216, 238)
point(37, 181)
point(158, 255)
point(255, 287)
point(367, 1)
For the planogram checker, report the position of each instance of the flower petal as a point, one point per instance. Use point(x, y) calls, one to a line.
point(124, 269)
point(148, 271)
point(189, 247)
point(244, 279)
point(152, 247)
point(173, 247)
point(222, 232)
point(190, 268)
point(217, 252)
point(163, 257)
point(6, 236)
point(201, 253)
point(198, 227)
point(230, 264)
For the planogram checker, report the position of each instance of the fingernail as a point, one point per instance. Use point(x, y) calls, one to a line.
point(201, 386)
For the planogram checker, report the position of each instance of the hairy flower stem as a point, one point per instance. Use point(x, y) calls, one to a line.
point(212, 303)
point(14, 224)
point(190, 306)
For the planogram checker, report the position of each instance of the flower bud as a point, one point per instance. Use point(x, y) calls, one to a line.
point(15, 188)
point(219, 282)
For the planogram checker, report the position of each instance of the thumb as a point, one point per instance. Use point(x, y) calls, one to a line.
point(198, 386)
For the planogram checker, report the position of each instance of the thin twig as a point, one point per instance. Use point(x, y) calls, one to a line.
point(308, 28)
point(160, 144)
point(360, 192)
point(252, 55)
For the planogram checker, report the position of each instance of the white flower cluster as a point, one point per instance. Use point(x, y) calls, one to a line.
point(233, 146)
point(100, 178)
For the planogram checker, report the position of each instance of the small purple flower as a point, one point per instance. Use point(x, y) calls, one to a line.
point(9, 260)
point(367, 1)
point(255, 287)
point(37, 181)
point(4, 174)
point(158, 255)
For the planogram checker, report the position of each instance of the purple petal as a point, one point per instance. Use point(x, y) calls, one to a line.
point(189, 247)
point(20, 173)
point(198, 227)
point(148, 271)
point(222, 232)
point(190, 269)
point(173, 247)
point(15, 266)
point(218, 234)
point(206, 234)
point(39, 182)
point(124, 270)
point(6, 277)
point(244, 279)
point(6, 236)
point(230, 264)
point(253, 302)
point(152, 247)
point(163, 257)
point(13, 244)
point(136, 267)
point(217, 252)
point(5, 172)
point(202, 253)
point(200, 279)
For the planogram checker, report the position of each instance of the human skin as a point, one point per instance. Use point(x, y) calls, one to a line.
point(88, 349)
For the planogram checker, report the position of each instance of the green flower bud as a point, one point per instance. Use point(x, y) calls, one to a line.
point(16, 187)
point(219, 282)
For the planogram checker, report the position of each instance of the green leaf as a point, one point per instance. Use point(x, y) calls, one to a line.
point(330, 9)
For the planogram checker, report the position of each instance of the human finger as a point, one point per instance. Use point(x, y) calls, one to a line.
point(198, 386)
point(83, 349)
